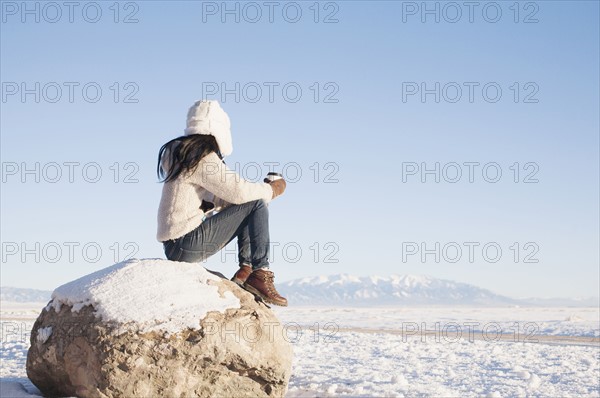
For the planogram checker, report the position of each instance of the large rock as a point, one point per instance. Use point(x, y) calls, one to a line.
point(157, 328)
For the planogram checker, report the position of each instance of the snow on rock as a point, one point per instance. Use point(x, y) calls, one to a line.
point(152, 294)
point(43, 334)
point(150, 328)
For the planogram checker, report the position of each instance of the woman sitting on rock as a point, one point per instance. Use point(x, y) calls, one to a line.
point(204, 204)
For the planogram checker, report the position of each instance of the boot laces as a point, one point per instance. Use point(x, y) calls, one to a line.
point(270, 277)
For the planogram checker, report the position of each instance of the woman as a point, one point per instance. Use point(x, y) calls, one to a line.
point(198, 184)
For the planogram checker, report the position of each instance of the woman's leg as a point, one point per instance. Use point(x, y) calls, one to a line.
point(250, 223)
point(253, 238)
point(243, 242)
point(250, 220)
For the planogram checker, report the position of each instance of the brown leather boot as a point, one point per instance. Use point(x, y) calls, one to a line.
point(260, 282)
point(242, 274)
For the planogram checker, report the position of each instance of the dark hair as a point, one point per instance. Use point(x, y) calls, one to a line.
point(183, 154)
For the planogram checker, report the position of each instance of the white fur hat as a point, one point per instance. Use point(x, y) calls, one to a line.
point(207, 117)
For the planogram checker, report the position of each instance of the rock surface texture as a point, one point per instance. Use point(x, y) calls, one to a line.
point(128, 331)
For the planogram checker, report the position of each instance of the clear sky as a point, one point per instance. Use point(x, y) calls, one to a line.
point(353, 99)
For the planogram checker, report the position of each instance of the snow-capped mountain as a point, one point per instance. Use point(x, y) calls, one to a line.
point(21, 295)
point(346, 289)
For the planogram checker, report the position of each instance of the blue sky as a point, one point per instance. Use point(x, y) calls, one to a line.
point(357, 214)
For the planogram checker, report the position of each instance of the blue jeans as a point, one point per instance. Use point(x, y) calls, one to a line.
point(249, 222)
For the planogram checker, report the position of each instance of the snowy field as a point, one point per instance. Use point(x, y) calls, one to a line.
point(396, 352)
point(444, 352)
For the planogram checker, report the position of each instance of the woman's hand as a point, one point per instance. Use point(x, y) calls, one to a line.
point(278, 186)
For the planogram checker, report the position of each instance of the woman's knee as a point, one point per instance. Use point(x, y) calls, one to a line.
point(172, 250)
point(259, 204)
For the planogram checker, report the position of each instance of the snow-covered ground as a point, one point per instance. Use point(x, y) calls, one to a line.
point(529, 321)
point(362, 352)
point(362, 364)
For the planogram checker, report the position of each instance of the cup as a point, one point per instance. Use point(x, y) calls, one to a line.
point(272, 176)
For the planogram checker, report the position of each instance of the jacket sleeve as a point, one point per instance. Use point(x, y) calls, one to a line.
point(213, 175)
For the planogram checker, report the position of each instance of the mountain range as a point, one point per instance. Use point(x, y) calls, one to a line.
point(23, 295)
point(349, 290)
point(344, 289)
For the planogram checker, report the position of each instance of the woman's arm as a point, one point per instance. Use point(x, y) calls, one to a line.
point(213, 175)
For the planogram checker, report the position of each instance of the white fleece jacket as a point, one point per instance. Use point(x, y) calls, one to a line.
point(179, 210)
